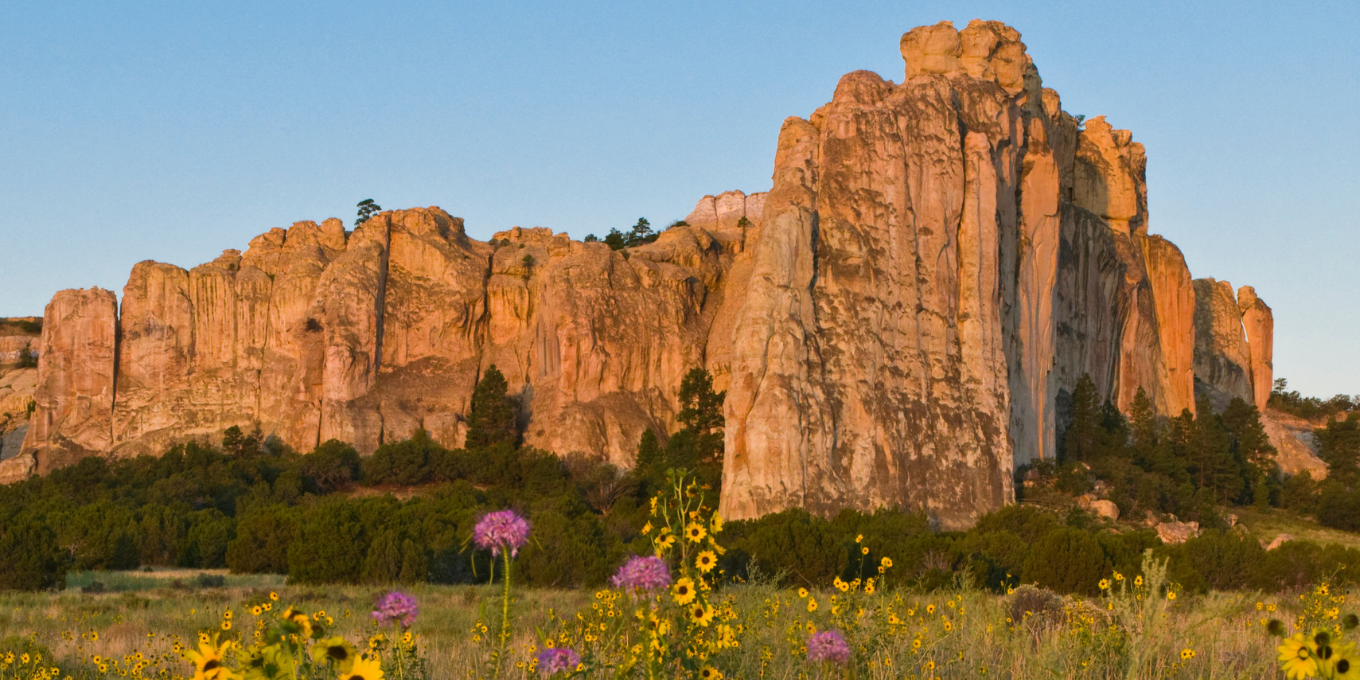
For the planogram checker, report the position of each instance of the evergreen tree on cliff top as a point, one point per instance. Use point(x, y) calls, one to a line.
point(492, 419)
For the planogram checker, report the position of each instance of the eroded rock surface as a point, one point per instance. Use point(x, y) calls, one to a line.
point(899, 322)
point(1233, 344)
point(315, 333)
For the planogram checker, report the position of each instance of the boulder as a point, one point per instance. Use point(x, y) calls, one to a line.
point(1175, 532)
point(1278, 541)
point(1106, 509)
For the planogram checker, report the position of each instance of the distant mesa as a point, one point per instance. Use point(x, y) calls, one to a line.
point(899, 322)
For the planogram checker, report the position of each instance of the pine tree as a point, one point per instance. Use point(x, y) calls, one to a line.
point(699, 443)
point(1339, 446)
point(1115, 441)
point(1084, 435)
point(1211, 457)
point(649, 452)
point(1252, 448)
point(492, 418)
point(367, 209)
point(1143, 430)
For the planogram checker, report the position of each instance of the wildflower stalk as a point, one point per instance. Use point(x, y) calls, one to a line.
point(505, 617)
point(503, 533)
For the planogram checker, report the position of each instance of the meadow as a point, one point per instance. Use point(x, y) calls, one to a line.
point(955, 633)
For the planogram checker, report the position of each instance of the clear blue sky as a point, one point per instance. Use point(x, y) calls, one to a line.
point(173, 130)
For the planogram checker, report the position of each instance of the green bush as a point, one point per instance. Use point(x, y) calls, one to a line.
point(205, 545)
point(565, 552)
point(1067, 561)
point(793, 543)
point(333, 466)
point(1339, 507)
point(29, 556)
point(262, 538)
point(1215, 560)
point(330, 544)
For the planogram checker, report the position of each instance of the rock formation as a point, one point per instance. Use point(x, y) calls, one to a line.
point(1233, 344)
point(18, 381)
point(315, 333)
point(899, 322)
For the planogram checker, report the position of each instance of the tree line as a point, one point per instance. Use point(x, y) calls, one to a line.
point(326, 516)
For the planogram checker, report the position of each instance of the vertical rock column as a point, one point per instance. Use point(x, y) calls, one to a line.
point(1222, 357)
point(75, 392)
point(1173, 296)
point(1259, 325)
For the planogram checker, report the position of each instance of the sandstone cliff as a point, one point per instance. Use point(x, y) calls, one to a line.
point(18, 382)
point(1233, 344)
point(899, 322)
point(315, 333)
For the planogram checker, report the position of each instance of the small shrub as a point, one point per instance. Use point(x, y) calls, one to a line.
point(1067, 561)
point(1034, 606)
point(1339, 508)
point(211, 581)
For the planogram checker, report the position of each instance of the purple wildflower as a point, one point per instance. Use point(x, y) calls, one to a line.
point(828, 645)
point(642, 574)
point(561, 659)
point(396, 607)
point(503, 529)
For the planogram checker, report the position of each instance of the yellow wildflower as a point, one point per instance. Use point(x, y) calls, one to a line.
point(706, 561)
point(683, 591)
point(1297, 658)
point(364, 669)
point(695, 532)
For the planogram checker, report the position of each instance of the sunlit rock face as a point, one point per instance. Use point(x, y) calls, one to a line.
point(899, 322)
point(941, 261)
point(366, 336)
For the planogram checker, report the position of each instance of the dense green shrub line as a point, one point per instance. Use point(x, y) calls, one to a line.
point(327, 517)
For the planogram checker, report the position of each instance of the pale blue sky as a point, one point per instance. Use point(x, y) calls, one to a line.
point(173, 130)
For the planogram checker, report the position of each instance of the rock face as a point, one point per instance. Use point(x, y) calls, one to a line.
point(899, 322)
point(1233, 344)
point(74, 395)
point(18, 382)
point(1259, 325)
point(1295, 444)
point(315, 333)
point(940, 263)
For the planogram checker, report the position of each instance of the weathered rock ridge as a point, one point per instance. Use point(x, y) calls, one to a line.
point(899, 322)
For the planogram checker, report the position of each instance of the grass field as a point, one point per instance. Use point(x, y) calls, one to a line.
point(899, 633)
point(1268, 523)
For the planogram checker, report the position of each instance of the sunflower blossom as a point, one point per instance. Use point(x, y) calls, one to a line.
point(1297, 659)
point(502, 529)
point(364, 669)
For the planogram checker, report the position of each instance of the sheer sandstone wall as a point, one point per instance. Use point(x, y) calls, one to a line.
point(899, 322)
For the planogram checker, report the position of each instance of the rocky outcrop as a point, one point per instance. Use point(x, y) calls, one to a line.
point(899, 322)
point(73, 399)
point(1259, 325)
point(315, 333)
point(1233, 344)
point(1176, 532)
point(1295, 444)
